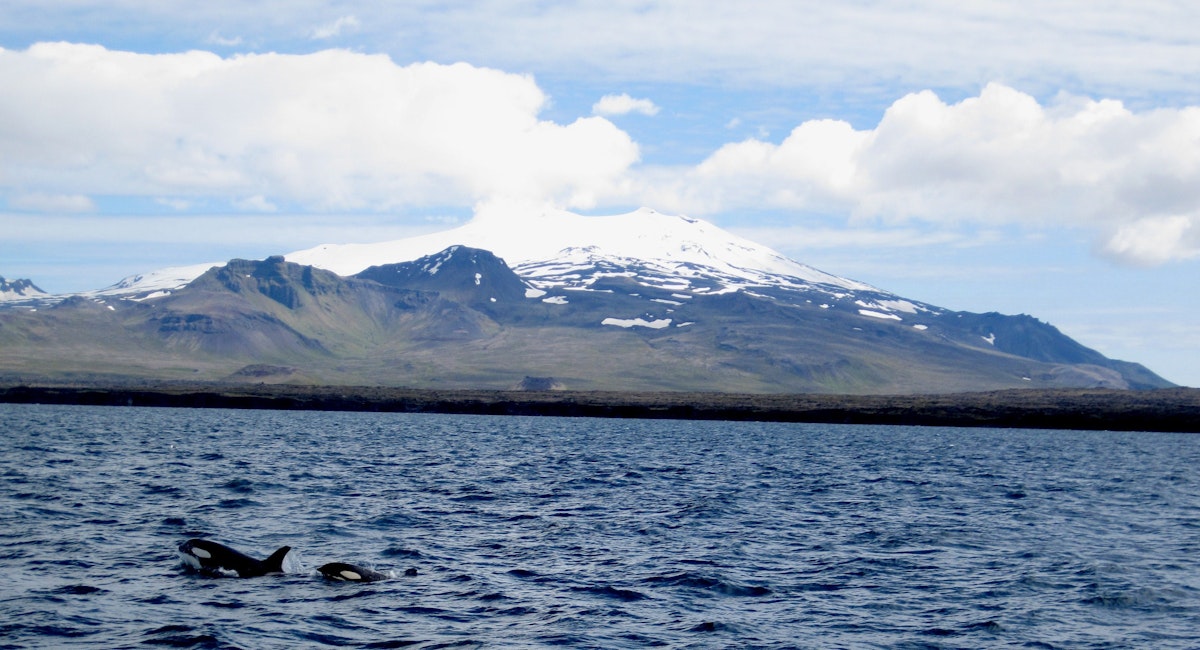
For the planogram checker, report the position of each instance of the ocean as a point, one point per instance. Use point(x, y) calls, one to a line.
point(530, 532)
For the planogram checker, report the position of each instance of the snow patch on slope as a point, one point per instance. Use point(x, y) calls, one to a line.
point(637, 322)
point(877, 314)
point(17, 290)
point(154, 284)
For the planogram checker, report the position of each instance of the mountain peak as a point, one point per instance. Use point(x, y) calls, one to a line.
point(19, 289)
point(522, 234)
point(288, 284)
point(472, 275)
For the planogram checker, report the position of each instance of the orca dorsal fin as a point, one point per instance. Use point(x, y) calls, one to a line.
point(274, 564)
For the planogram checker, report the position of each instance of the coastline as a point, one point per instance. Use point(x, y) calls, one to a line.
point(1170, 410)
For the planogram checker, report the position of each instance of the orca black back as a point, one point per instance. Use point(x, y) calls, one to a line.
point(214, 558)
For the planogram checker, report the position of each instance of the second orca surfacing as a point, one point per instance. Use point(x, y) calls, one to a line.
point(217, 559)
point(350, 572)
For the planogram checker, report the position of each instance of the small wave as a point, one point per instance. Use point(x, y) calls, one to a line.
point(608, 591)
point(236, 503)
point(393, 520)
point(224, 605)
point(516, 611)
point(469, 498)
point(358, 593)
point(986, 626)
point(705, 583)
point(422, 611)
point(38, 631)
point(66, 562)
point(239, 485)
point(465, 643)
point(397, 551)
point(319, 639)
point(36, 495)
point(181, 636)
point(161, 489)
point(1137, 599)
point(78, 590)
point(711, 626)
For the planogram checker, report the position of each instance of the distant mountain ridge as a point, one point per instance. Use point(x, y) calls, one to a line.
point(19, 289)
point(642, 301)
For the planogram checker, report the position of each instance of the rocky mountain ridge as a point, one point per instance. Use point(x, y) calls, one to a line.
point(642, 301)
point(19, 289)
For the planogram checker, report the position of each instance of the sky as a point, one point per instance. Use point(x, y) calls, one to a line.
point(1036, 158)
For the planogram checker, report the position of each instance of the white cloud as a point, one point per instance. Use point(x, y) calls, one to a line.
point(803, 238)
point(256, 203)
point(623, 104)
point(339, 130)
point(178, 205)
point(864, 48)
point(855, 46)
point(269, 233)
point(215, 38)
point(40, 202)
point(335, 28)
point(999, 157)
point(328, 130)
point(1155, 240)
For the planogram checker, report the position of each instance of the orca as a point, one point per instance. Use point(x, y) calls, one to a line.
point(217, 559)
point(350, 572)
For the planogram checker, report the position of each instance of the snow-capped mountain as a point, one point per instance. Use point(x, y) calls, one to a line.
point(638, 301)
point(556, 251)
point(154, 284)
point(553, 246)
point(19, 289)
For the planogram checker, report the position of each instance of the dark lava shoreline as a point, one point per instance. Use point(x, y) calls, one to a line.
point(1173, 409)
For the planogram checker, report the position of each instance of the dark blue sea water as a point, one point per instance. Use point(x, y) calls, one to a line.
point(540, 532)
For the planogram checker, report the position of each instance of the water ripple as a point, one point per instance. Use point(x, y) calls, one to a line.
point(539, 532)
